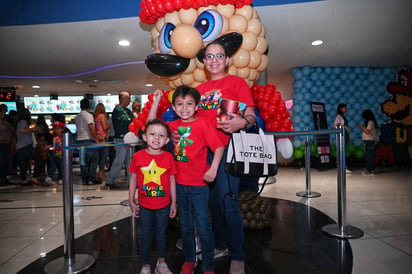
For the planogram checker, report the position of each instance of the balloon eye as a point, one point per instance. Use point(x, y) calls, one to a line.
point(164, 38)
point(209, 24)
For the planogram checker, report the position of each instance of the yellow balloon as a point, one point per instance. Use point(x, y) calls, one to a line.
point(170, 96)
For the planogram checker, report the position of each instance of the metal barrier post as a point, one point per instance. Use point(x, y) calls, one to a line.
point(342, 230)
point(308, 193)
point(70, 263)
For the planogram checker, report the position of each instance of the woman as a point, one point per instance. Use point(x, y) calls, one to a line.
point(25, 149)
point(340, 120)
point(227, 218)
point(102, 125)
point(369, 138)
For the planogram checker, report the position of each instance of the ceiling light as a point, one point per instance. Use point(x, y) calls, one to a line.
point(149, 85)
point(124, 43)
point(35, 86)
point(317, 43)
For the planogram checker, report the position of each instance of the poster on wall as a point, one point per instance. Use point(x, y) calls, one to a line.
point(322, 141)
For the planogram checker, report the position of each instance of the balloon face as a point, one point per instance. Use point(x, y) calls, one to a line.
point(181, 35)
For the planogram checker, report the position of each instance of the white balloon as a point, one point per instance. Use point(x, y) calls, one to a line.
point(285, 147)
point(130, 138)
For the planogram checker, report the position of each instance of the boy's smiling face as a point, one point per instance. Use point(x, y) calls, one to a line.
point(185, 108)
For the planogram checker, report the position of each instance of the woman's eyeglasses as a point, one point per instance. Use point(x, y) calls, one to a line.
point(217, 56)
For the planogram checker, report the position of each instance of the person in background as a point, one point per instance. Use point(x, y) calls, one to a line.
point(154, 207)
point(122, 116)
point(102, 125)
point(340, 120)
point(13, 163)
point(55, 152)
point(224, 192)
point(25, 148)
point(136, 108)
point(369, 137)
point(7, 135)
point(86, 136)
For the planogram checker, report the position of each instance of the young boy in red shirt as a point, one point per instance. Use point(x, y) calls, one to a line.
point(194, 137)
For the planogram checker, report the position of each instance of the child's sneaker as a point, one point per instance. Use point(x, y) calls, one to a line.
point(161, 268)
point(48, 181)
point(187, 268)
point(146, 270)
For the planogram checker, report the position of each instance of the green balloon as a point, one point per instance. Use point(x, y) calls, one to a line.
point(359, 154)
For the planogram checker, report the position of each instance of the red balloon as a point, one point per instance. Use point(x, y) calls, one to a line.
point(132, 127)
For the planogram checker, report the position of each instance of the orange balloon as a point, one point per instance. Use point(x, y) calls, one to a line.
point(250, 40)
point(262, 45)
point(254, 26)
point(241, 58)
point(187, 16)
point(238, 23)
point(245, 11)
point(199, 75)
point(243, 73)
point(186, 41)
point(255, 59)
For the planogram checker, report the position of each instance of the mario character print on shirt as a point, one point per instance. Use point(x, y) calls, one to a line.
point(180, 149)
point(152, 183)
point(210, 100)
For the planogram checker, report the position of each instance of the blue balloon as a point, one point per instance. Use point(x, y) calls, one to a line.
point(259, 119)
point(169, 115)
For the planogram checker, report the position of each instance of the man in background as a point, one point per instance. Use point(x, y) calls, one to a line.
point(121, 118)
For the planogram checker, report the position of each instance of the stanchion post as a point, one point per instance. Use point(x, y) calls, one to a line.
point(70, 263)
point(308, 193)
point(342, 230)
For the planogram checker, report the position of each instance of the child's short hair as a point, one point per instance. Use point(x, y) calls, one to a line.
point(156, 121)
point(183, 91)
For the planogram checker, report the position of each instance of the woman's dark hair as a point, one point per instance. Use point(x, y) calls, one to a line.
point(185, 91)
point(367, 116)
point(156, 121)
point(340, 112)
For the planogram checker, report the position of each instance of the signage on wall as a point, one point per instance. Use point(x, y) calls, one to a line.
point(66, 104)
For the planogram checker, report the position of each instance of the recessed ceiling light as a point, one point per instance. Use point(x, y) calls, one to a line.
point(35, 86)
point(124, 43)
point(317, 43)
point(149, 85)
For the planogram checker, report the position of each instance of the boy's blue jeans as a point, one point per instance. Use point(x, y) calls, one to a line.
point(193, 204)
point(153, 224)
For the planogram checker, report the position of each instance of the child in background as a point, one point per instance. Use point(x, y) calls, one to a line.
point(56, 154)
point(195, 136)
point(152, 171)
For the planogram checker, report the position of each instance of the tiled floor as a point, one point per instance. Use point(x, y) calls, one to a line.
point(32, 230)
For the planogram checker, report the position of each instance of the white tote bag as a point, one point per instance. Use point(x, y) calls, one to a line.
point(251, 154)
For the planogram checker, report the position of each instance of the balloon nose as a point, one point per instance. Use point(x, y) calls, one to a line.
point(186, 41)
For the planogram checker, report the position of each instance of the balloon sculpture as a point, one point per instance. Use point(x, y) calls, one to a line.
point(181, 30)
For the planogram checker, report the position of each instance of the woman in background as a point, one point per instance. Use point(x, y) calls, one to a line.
point(102, 125)
point(369, 138)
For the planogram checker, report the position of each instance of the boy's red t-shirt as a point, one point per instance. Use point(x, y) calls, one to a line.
point(230, 87)
point(153, 178)
point(191, 151)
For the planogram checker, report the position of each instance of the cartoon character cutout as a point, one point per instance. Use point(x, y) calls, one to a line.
point(399, 107)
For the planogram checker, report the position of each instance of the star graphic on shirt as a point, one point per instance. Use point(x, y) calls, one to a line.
point(152, 173)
